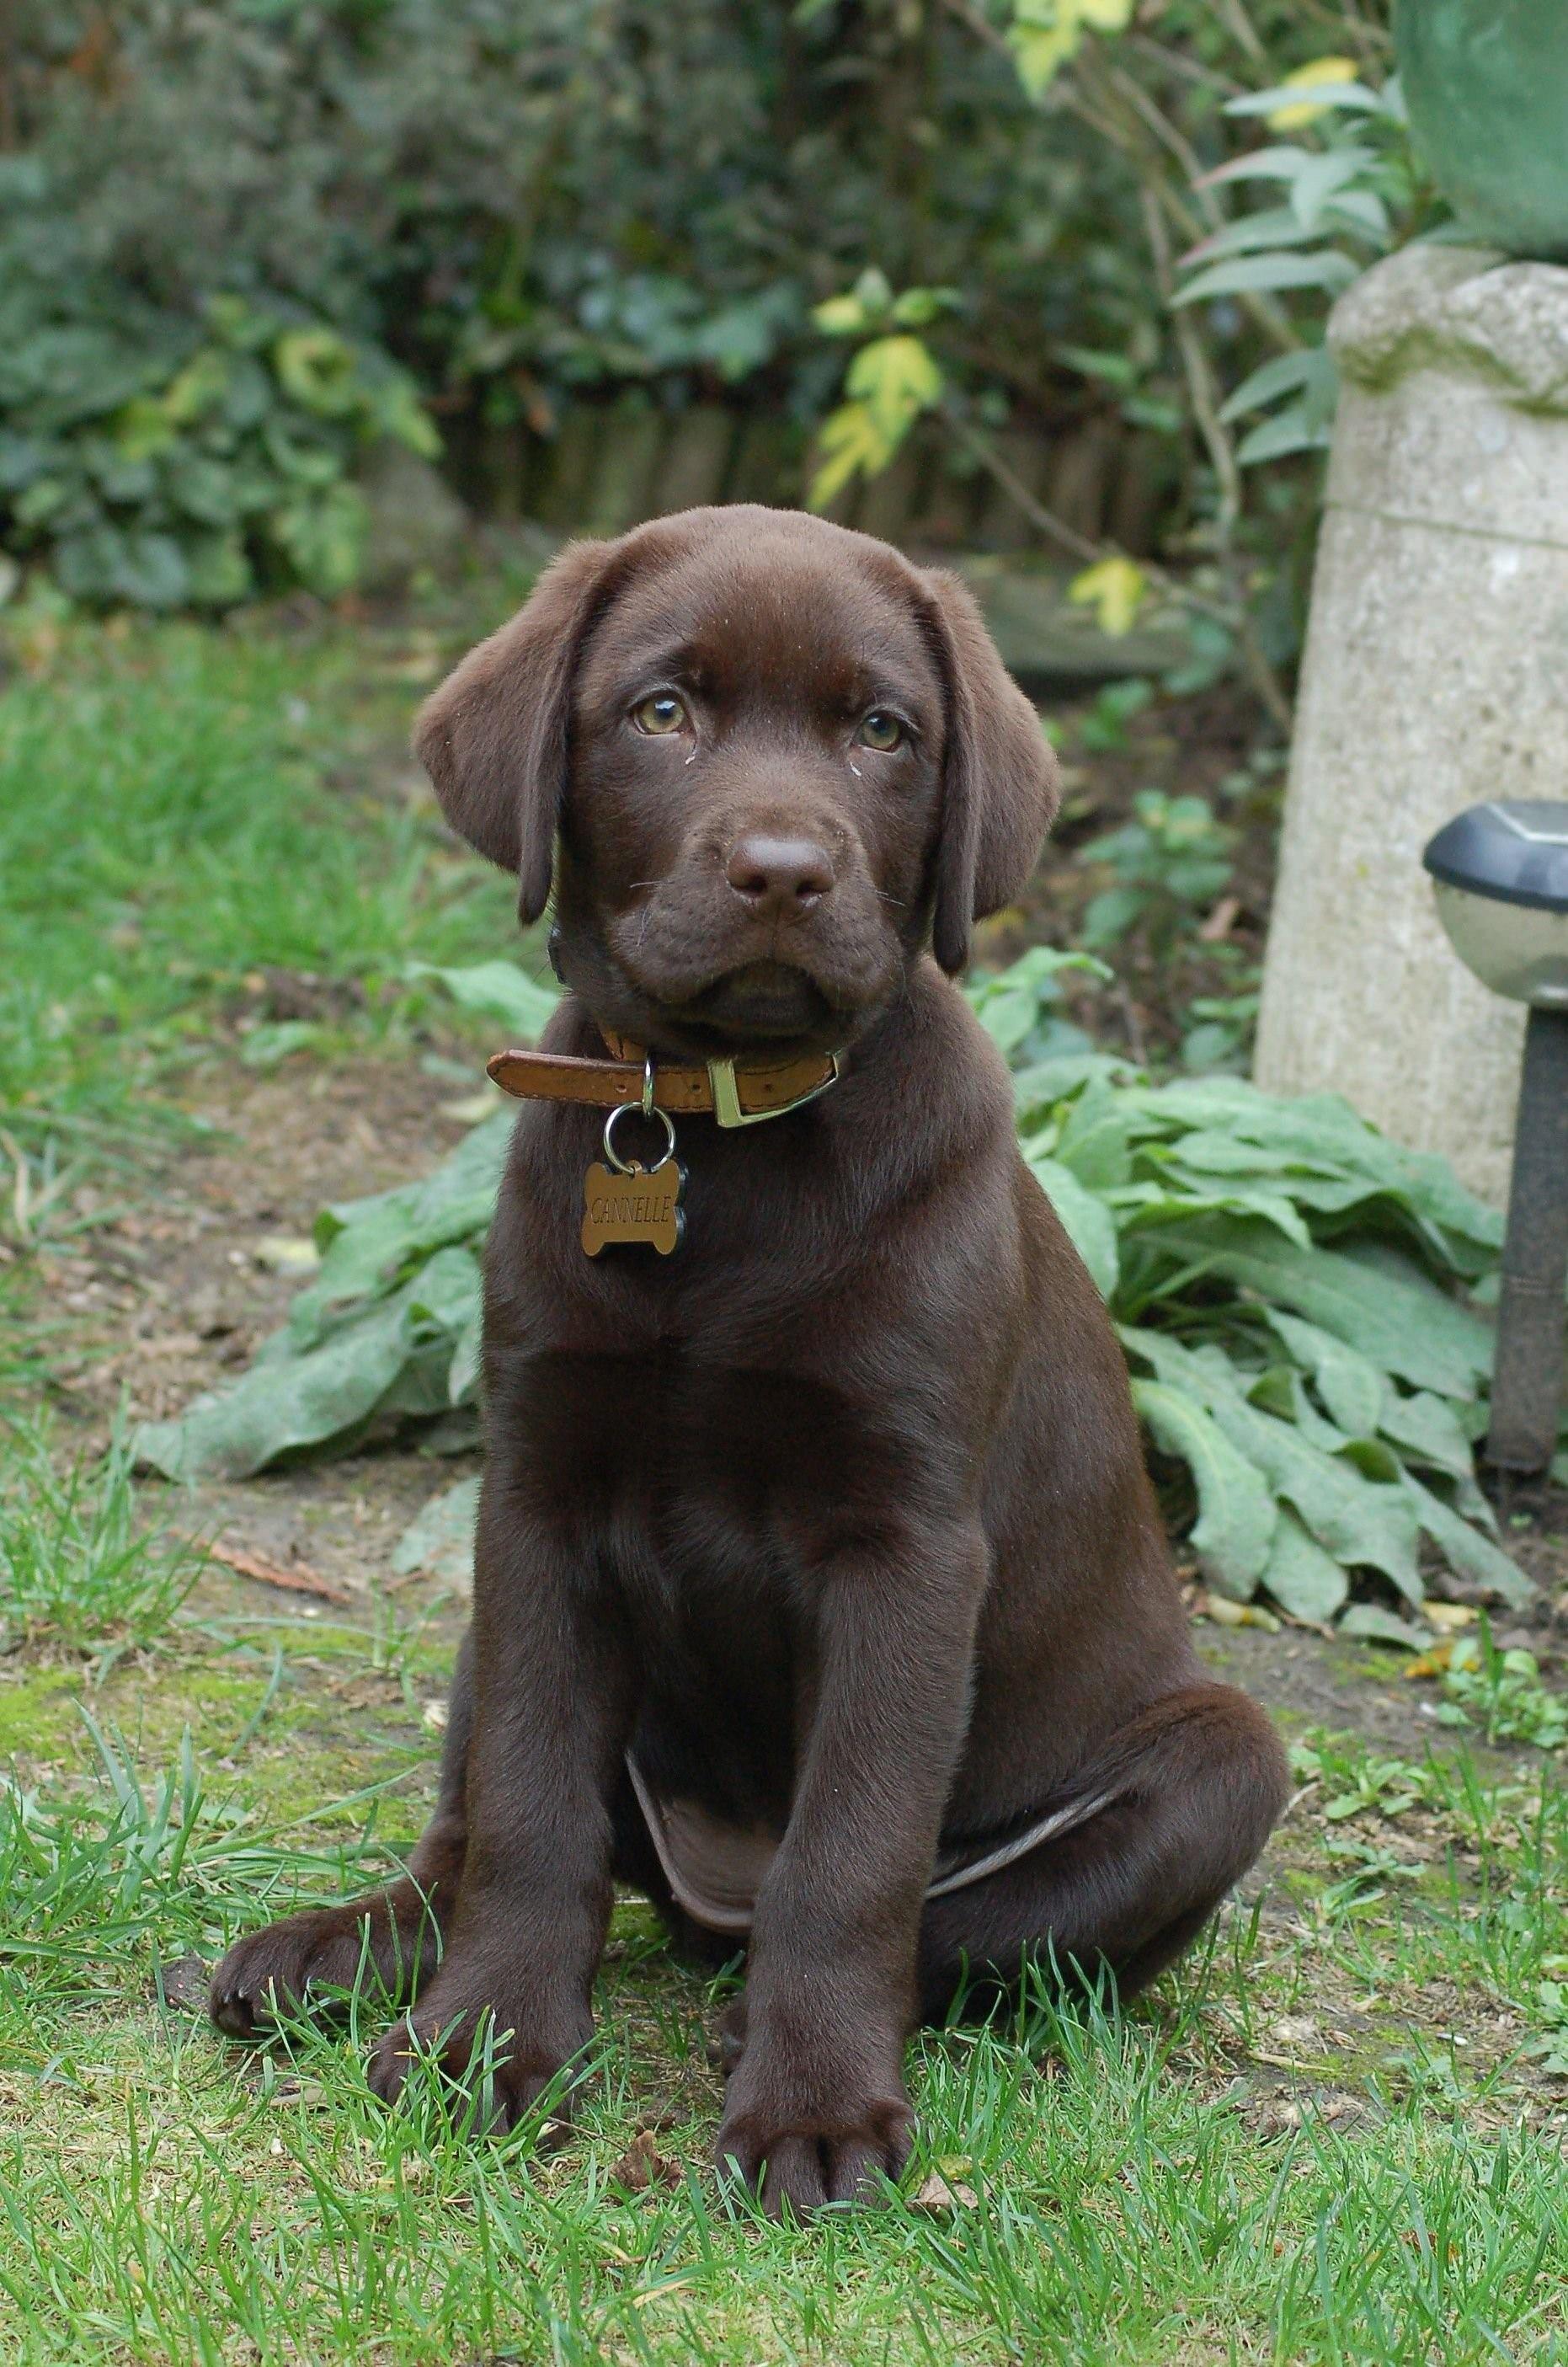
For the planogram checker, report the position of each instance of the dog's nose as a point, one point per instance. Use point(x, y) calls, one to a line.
point(779, 876)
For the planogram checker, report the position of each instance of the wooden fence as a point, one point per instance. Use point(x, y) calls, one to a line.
point(611, 464)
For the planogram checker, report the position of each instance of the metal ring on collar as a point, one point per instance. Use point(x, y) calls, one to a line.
point(623, 1109)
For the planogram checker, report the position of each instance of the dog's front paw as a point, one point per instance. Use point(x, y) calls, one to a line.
point(838, 2147)
point(291, 1967)
point(483, 2049)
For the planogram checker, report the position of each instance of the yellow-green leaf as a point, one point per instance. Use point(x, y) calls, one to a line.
point(839, 316)
point(1046, 33)
point(897, 379)
point(1039, 51)
point(1115, 589)
point(1320, 75)
point(318, 368)
point(847, 441)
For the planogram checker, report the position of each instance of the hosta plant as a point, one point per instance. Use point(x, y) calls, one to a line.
point(1292, 1291)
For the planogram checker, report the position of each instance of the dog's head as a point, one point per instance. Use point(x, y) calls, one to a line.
point(778, 759)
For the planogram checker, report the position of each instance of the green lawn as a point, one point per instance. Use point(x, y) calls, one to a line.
point(181, 809)
point(1335, 2136)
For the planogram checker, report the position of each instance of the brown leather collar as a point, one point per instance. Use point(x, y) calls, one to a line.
point(736, 1092)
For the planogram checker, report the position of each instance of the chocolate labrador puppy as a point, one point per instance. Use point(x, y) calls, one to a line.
point(819, 1589)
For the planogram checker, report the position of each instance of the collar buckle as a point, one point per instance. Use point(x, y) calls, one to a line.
point(726, 1106)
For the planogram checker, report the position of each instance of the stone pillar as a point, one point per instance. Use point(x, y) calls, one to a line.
point(1434, 675)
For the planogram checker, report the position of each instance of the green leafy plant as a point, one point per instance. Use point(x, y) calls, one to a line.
point(1501, 1693)
point(1347, 192)
point(892, 379)
point(1171, 860)
point(161, 468)
point(1290, 1289)
point(1219, 1031)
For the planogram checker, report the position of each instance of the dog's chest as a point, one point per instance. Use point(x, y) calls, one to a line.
point(688, 1478)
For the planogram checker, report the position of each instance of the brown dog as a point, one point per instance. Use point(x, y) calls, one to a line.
point(819, 1589)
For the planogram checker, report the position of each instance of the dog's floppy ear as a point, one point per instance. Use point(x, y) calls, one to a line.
point(999, 776)
point(494, 737)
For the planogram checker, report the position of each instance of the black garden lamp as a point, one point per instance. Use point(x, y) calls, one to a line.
point(1500, 874)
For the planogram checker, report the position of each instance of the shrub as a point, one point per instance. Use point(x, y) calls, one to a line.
point(163, 463)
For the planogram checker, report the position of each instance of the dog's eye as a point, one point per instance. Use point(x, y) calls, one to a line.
point(660, 715)
point(881, 730)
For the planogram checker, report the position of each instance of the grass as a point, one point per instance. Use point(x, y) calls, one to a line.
point(1335, 2136)
point(174, 818)
point(1129, 2189)
point(77, 1569)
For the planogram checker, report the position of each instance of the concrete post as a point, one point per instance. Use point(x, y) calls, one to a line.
point(1434, 675)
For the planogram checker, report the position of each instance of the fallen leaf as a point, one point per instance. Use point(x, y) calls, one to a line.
point(300, 1579)
point(935, 2193)
point(642, 2166)
point(1226, 1614)
point(314, 2094)
point(1445, 1615)
point(1431, 1664)
point(287, 1253)
point(183, 1984)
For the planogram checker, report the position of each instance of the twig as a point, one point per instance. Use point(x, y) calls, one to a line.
point(1185, 69)
point(1221, 448)
point(300, 1579)
point(1243, 31)
point(1136, 1043)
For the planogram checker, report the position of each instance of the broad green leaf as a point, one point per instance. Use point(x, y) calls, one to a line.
point(440, 1539)
point(1360, 1522)
point(1323, 267)
point(1302, 1578)
point(1428, 1432)
point(1095, 1139)
point(1281, 161)
point(1147, 1205)
point(1236, 1511)
point(1467, 1552)
point(1085, 1220)
point(499, 988)
point(1354, 1393)
point(1282, 374)
point(284, 1403)
point(1401, 1322)
point(1008, 1004)
point(1275, 439)
point(1378, 1625)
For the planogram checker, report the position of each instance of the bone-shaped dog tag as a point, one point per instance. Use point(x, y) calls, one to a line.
point(640, 1207)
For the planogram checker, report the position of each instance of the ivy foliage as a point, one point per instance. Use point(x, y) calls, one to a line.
point(1295, 1295)
point(164, 464)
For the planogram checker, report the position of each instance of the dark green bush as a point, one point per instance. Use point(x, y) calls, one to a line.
point(521, 203)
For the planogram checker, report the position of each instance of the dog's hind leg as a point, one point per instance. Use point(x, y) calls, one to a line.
point(391, 1938)
point(1188, 1793)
